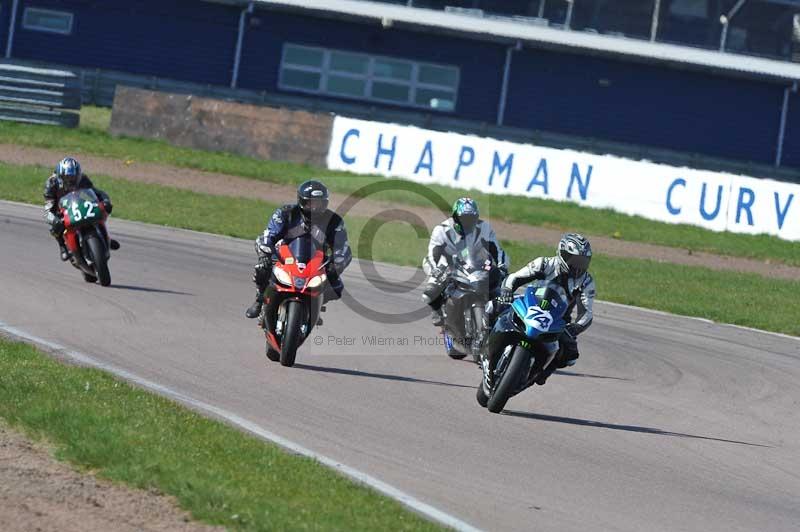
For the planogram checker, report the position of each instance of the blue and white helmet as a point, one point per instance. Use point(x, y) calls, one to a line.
point(574, 254)
point(69, 170)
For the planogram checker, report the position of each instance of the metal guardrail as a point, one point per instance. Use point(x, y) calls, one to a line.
point(39, 95)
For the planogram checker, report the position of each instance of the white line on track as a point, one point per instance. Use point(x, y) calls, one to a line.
point(386, 489)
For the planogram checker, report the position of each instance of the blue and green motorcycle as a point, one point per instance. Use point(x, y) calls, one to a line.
point(522, 343)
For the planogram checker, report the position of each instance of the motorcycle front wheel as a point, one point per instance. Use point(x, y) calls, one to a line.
point(476, 333)
point(290, 340)
point(518, 367)
point(98, 252)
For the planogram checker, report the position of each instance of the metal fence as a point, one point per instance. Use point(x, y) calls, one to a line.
point(768, 28)
point(39, 96)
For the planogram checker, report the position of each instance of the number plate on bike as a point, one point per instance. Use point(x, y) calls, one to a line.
point(81, 208)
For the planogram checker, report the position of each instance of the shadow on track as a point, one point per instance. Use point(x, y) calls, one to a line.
point(627, 428)
point(589, 375)
point(385, 376)
point(146, 289)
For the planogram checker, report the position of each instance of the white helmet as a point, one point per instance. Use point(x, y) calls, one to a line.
point(574, 254)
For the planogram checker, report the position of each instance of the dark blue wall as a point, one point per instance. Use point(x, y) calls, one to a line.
point(791, 146)
point(608, 99)
point(642, 104)
point(178, 39)
point(481, 64)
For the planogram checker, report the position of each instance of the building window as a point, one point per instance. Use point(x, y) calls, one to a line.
point(47, 20)
point(368, 77)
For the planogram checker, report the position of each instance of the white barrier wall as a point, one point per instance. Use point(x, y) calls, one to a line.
point(670, 194)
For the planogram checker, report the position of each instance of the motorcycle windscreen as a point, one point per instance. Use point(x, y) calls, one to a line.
point(81, 207)
point(304, 248)
point(541, 309)
point(473, 258)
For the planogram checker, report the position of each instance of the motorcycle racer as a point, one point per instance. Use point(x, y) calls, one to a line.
point(310, 215)
point(569, 268)
point(464, 224)
point(66, 178)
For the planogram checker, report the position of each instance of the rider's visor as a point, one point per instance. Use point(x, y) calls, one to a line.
point(577, 264)
point(468, 222)
point(314, 205)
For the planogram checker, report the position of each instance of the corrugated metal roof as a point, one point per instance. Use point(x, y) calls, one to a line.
point(498, 28)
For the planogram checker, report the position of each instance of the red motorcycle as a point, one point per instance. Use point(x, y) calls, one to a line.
point(293, 300)
point(84, 216)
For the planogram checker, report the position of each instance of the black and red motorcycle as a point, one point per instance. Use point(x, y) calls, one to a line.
point(293, 300)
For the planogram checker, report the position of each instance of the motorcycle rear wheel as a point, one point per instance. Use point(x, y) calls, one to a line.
point(98, 252)
point(290, 340)
point(518, 366)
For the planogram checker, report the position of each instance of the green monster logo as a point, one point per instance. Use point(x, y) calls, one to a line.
point(544, 304)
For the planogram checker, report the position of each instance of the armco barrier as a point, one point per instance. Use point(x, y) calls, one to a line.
point(39, 96)
point(713, 200)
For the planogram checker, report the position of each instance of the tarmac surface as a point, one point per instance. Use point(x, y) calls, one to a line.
point(665, 423)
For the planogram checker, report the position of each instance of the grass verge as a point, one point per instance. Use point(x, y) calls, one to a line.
point(92, 138)
point(771, 304)
point(219, 474)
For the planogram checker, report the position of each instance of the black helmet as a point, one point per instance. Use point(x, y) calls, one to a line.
point(69, 170)
point(574, 254)
point(312, 197)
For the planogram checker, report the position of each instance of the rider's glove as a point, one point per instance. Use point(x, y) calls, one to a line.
point(58, 226)
point(107, 206)
point(437, 272)
point(571, 329)
point(263, 249)
point(264, 261)
point(506, 296)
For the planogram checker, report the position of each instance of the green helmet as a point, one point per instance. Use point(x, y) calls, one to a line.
point(465, 213)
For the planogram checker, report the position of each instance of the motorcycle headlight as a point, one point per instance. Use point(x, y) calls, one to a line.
point(282, 276)
point(316, 281)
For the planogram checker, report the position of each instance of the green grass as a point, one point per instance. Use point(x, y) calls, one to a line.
point(772, 304)
point(92, 138)
point(95, 118)
point(219, 474)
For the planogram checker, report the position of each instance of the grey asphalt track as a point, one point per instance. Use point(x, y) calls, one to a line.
point(666, 423)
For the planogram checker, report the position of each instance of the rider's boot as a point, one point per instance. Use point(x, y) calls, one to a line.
point(255, 309)
point(437, 317)
point(569, 360)
point(113, 244)
point(544, 375)
point(62, 247)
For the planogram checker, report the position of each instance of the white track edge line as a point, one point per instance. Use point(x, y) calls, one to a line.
point(363, 478)
point(696, 318)
point(621, 305)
